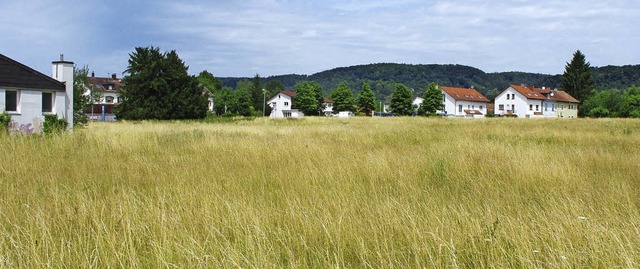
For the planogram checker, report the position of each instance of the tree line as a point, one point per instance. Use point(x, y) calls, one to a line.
point(158, 86)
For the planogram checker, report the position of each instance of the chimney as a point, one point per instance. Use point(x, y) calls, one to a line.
point(113, 76)
point(93, 74)
point(543, 88)
point(63, 71)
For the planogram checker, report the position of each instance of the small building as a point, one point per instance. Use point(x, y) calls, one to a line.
point(282, 105)
point(104, 95)
point(327, 105)
point(531, 102)
point(463, 102)
point(27, 95)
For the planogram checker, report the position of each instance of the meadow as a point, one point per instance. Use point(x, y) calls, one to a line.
point(324, 193)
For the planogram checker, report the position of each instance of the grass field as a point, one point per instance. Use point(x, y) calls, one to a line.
point(325, 193)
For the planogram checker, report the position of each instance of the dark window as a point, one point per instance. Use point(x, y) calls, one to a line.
point(11, 101)
point(47, 102)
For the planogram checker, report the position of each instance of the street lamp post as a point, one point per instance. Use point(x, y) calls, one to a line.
point(264, 100)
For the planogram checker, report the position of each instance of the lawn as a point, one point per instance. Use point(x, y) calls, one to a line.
point(324, 192)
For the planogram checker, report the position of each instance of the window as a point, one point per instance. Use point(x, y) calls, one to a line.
point(108, 99)
point(47, 102)
point(530, 107)
point(501, 107)
point(553, 107)
point(459, 108)
point(473, 107)
point(562, 107)
point(508, 95)
point(286, 103)
point(480, 107)
point(570, 106)
point(537, 108)
point(11, 100)
point(546, 105)
point(119, 100)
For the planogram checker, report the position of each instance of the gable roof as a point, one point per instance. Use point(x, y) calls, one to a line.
point(326, 100)
point(529, 92)
point(102, 84)
point(464, 94)
point(543, 93)
point(285, 92)
point(15, 74)
point(562, 96)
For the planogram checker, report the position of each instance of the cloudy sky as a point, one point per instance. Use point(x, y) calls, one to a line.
point(273, 37)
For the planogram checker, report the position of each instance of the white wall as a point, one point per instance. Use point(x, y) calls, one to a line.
point(451, 106)
point(29, 116)
point(278, 104)
point(520, 103)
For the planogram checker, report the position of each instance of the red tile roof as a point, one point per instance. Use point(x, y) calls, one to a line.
point(102, 84)
point(464, 94)
point(326, 100)
point(529, 92)
point(562, 96)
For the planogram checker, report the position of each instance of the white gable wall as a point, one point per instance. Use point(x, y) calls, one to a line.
point(279, 104)
point(452, 107)
point(29, 116)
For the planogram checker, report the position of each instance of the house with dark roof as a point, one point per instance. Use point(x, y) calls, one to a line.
point(27, 95)
point(531, 102)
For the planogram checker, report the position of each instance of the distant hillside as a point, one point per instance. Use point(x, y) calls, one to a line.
point(383, 77)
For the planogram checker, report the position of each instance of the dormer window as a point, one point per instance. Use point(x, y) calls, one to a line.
point(111, 87)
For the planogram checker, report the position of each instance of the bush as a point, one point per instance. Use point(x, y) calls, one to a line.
point(4, 122)
point(53, 125)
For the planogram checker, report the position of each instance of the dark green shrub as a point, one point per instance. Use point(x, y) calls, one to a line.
point(53, 125)
point(4, 122)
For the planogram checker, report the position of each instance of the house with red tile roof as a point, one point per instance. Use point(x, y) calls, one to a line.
point(104, 95)
point(463, 102)
point(531, 102)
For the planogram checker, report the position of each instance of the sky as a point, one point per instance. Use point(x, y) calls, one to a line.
point(235, 38)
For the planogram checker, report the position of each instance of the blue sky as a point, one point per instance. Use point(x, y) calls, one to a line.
point(274, 37)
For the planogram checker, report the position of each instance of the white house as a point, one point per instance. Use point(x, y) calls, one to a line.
point(104, 95)
point(530, 102)
point(463, 102)
point(417, 102)
point(27, 95)
point(328, 106)
point(282, 105)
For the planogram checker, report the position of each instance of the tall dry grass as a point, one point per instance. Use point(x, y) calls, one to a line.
point(325, 192)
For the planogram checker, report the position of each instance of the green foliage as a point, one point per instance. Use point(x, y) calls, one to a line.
point(208, 80)
point(243, 104)
point(631, 103)
point(343, 99)
point(401, 101)
point(80, 100)
point(5, 119)
point(577, 79)
point(159, 87)
point(432, 101)
point(225, 102)
point(598, 112)
point(308, 97)
point(53, 125)
point(256, 93)
point(366, 99)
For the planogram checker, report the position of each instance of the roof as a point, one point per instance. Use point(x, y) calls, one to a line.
point(529, 92)
point(544, 93)
point(326, 100)
point(285, 92)
point(562, 96)
point(464, 94)
point(102, 84)
point(15, 74)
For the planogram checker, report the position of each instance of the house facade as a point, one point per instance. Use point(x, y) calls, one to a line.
point(104, 95)
point(27, 95)
point(530, 102)
point(463, 102)
point(282, 105)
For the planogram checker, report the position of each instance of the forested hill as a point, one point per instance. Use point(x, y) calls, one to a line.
point(383, 76)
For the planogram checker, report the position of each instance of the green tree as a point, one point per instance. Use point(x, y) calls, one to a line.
point(244, 98)
point(158, 87)
point(225, 101)
point(401, 104)
point(343, 99)
point(577, 79)
point(308, 97)
point(603, 104)
point(80, 101)
point(366, 99)
point(630, 106)
point(432, 101)
point(208, 80)
point(256, 93)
